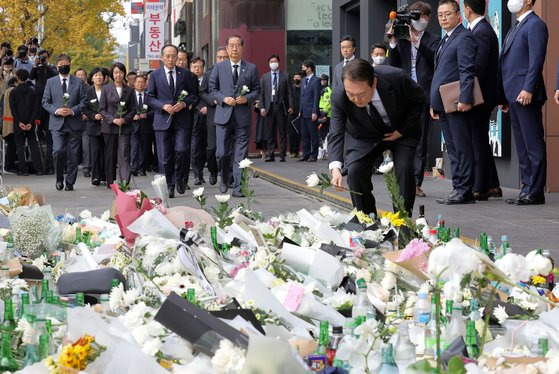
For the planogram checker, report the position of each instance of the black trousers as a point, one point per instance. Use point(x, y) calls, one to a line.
point(276, 122)
point(198, 146)
point(294, 131)
point(211, 146)
point(19, 138)
point(111, 156)
point(360, 173)
point(44, 134)
point(97, 156)
point(422, 150)
point(486, 176)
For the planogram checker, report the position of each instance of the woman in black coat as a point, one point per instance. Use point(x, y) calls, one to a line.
point(117, 127)
point(93, 126)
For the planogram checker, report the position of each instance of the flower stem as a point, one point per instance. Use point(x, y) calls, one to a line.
point(486, 321)
point(438, 324)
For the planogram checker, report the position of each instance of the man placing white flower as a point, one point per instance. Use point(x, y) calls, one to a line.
point(235, 85)
point(376, 109)
point(173, 137)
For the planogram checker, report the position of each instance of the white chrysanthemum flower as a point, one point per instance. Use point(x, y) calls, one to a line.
point(228, 358)
point(106, 215)
point(222, 198)
point(325, 210)
point(500, 313)
point(313, 180)
point(66, 95)
point(130, 297)
point(198, 192)
point(152, 346)
point(122, 103)
point(386, 167)
point(93, 101)
point(145, 107)
point(85, 214)
point(28, 331)
point(540, 265)
point(116, 297)
point(245, 163)
point(184, 93)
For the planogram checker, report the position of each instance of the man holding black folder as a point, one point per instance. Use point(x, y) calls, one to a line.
point(455, 61)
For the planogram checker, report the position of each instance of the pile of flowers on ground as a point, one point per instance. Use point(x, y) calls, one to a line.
point(231, 291)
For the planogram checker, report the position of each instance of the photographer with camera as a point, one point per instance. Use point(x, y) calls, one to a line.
point(22, 59)
point(413, 49)
point(41, 72)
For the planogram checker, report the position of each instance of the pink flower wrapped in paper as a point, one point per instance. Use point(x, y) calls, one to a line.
point(127, 211)
point(413, 257)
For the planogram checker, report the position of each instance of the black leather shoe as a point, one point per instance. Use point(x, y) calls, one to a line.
point(181, 187)
point(311, 159)
point(302, 159)
point(213, 179)
point(69, 187)
point(223, 188)
point(282, 159)
point(171, 192)
point(481, 196)
point(495, 192)
point(199, 181)
point(270, 159)
point(521, 196)
point(467, 198)
point(531, 200)
point(134, 172)
point(59, 185)
point(142, 173)
point(87, 174)
point(96, 182)
point(238, 194)
point(451, 195)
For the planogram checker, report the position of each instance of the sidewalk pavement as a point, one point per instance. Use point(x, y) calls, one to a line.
point(527, 227)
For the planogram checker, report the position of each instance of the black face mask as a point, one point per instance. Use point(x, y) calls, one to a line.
point(297, 81)
point(64, 69)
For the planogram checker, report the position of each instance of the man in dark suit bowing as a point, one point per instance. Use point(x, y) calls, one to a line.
point(65, 98)
point(486, 182)
point(172, 120)
point(455, 61)
point(374, 110)
point(235, 85)
point(522, 92)
point(276, 102)
point(416, 56)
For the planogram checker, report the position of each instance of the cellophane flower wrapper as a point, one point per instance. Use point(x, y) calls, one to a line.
point(127, 212)
point(153, 223)
point(159, 184)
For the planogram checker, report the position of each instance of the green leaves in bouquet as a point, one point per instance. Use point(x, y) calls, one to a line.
point(222, 214)
point(123, 186)
point(245, 189)
point(455, 366)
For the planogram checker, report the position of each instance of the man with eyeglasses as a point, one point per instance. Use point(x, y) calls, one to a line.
point(455, 61)
point(235, 85)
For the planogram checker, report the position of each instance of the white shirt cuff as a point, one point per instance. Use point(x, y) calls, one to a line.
point(393, 45)
point(335, 164)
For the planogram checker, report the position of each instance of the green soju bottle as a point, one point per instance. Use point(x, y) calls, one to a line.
point(7, 361)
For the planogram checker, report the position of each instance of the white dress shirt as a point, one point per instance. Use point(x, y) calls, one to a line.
point(473, 24)
point(174, 74)
point(67, 80)
point(235, 63)
point(348, 60)
point(521, 18)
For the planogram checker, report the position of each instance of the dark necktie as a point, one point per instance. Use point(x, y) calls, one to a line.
point(307, 82)
point(64, 86)
point(235, 74)
point(442, 45)
point(171, 82)
point(511, 32)
point(275, 87)
point(345, 62)
point(140, 102)
point(374, 115)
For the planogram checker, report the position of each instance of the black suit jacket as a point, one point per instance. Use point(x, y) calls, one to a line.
point(206, 98)
point(22, 105)
point(487, 62)
point(109, 107)
point(400, 57)
point(352, 129)
point(92, 126)
point(284, 94)
point(143, 121)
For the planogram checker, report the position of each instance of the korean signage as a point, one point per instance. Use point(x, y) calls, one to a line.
point(154, 29)
point(137, 8)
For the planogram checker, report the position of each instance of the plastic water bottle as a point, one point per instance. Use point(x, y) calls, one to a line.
point(422, 311)
point(504, 248)
point(457, 326)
